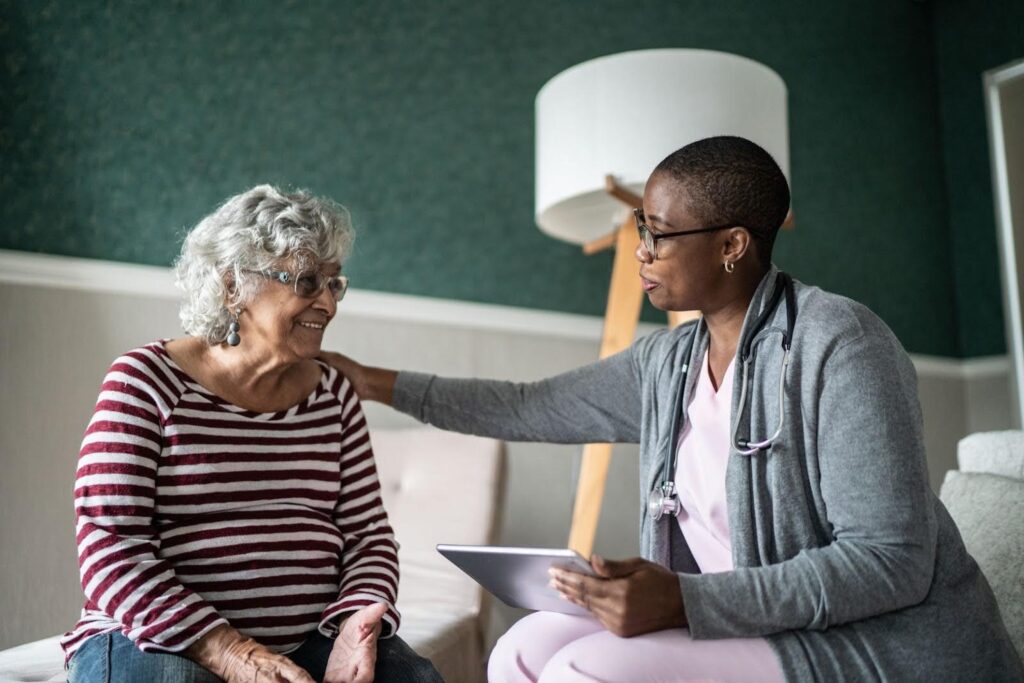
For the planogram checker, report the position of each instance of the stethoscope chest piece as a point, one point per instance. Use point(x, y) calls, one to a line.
point(663, 501)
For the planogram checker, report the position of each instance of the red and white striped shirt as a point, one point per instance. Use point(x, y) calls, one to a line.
point(192, 512)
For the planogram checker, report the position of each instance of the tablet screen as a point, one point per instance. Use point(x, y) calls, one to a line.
point(519, 576)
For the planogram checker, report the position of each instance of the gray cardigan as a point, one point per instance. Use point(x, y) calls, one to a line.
point(844, 558)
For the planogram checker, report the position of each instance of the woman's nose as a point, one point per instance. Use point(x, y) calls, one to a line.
point(325, 300)
point(642, 255)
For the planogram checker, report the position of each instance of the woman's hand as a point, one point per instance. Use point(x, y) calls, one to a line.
point(371, 384)
point(355, 649)
point(628, 597)
point(238, 659)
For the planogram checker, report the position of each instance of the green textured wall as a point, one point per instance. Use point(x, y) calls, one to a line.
point(124, 123)
point(971, 38)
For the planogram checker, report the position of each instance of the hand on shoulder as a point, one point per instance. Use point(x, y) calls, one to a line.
point(371, 384)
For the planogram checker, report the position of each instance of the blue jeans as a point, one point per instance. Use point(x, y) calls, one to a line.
point(112, 658)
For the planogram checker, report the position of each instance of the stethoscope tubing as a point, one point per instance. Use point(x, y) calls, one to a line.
point(663, 499)
point(747, 447)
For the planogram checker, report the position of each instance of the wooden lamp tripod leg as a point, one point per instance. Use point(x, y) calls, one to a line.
point(625, 296)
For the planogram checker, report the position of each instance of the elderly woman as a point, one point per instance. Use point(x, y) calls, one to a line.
point(787, 537)
point(229, 519)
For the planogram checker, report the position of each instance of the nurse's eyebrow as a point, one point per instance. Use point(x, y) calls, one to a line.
point(659, 219)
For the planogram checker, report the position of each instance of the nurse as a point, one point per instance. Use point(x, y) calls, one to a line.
point(798, 538)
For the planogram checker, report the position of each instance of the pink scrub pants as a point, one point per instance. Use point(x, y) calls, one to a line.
point(556, 648)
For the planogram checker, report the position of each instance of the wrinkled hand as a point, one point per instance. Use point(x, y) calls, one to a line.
point(355, 649)
point(629, 597)
point(238, 659)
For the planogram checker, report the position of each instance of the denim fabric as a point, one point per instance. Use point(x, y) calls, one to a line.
point(396, 661)
point(112, 658)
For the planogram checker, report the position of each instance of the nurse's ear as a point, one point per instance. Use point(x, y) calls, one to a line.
point(736, 243)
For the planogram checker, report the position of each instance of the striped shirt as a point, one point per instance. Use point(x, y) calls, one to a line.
point(192, 512)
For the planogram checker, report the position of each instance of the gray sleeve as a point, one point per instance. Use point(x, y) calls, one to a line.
point(599, 402)
point(873, 481)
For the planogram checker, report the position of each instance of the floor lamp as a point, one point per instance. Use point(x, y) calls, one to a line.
point(602, 126)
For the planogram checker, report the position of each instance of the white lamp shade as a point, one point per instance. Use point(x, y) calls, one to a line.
point(622, 114)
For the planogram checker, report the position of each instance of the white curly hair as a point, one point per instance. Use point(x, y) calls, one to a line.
point(253, 232)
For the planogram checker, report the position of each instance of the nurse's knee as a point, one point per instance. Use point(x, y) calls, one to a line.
point(580, 662)
point(505, 665)
point(526, 648)
point(521, 653)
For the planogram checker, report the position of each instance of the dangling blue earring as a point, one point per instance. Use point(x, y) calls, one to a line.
point(233, 338)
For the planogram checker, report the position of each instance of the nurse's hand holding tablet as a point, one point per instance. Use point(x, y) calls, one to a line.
point(628, 597)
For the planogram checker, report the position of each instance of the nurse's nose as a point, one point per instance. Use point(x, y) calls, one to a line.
point(642, 255)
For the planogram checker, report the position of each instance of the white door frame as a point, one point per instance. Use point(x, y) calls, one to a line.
point(1011, 237)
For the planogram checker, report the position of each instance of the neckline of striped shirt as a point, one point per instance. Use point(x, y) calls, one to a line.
point(310, 402)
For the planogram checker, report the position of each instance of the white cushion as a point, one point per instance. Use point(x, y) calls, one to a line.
point(440, 487)
point(42, 660)
point(999, 453)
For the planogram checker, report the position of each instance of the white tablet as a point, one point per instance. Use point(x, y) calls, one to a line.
point(519, 576)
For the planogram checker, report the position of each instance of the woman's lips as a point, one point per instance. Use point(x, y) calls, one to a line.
point(648, 284)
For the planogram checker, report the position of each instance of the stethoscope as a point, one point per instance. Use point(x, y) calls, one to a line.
point(663, 499)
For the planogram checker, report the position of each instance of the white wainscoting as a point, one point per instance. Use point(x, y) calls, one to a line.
point(65, 319)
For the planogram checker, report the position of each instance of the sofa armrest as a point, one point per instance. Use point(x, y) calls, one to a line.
point(1000, 453)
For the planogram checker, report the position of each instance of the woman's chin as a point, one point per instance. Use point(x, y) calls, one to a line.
point(308, 343)
point(659, 300)
point(310, 352)
point(657, 304)
point(306, 350)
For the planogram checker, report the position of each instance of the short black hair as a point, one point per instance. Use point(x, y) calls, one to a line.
point(731, 180)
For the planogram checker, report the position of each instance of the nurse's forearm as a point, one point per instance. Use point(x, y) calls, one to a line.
point(377, 384)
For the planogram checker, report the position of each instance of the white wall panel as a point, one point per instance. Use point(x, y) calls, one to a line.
point(57, 341)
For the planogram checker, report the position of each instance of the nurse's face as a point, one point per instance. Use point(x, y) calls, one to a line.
point(686, 272)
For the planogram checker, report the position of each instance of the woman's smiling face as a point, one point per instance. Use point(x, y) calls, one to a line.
point(281, 323)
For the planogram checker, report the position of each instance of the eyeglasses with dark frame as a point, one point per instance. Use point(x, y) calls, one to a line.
point(308, 284)
point(650, 239)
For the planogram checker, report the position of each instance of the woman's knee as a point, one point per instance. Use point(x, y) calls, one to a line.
point(113, 658)
point(505, 663)
point(525, 649)
point(564, 668)
point(588, 660)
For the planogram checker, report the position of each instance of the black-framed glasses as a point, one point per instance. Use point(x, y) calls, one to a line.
point(309, 283)
point(650, 239)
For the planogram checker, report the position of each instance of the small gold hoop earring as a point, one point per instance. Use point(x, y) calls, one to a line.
point(729, 266)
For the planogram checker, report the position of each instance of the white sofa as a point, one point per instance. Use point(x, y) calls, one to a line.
point(438, 487)
point(985, 497)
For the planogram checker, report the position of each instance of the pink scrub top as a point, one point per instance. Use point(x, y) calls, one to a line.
point(701, 458)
